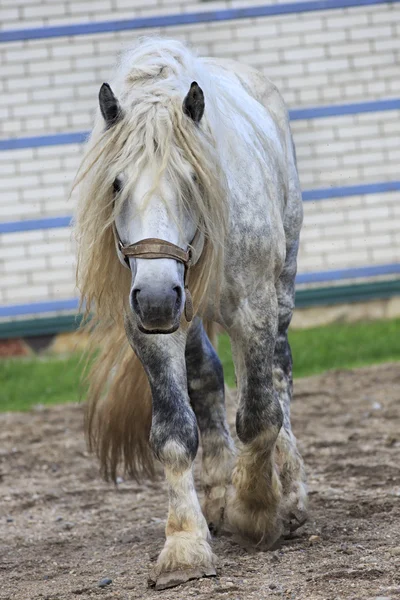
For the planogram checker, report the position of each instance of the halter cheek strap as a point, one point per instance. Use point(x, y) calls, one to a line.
point(152, 248)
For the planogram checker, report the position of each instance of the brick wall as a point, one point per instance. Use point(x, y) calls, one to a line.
point(319, 58)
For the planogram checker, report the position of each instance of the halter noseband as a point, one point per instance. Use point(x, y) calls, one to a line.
point(152, 248)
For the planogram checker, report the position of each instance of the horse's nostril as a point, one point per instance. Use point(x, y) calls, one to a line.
point(178, 292)
point(135, 301)
point(157, 307)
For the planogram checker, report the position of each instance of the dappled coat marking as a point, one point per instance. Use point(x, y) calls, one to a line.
point(191, 150)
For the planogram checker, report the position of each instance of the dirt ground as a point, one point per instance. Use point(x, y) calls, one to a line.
point(62, 530)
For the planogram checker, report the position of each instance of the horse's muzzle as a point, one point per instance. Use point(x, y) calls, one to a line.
point(157, 311)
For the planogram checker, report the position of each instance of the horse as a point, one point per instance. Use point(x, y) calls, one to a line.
point(188, 220)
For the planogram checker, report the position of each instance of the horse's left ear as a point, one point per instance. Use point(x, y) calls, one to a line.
point(193, 104)
point(109, 105)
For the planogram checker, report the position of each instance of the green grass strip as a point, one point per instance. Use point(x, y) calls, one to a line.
point(25, 382)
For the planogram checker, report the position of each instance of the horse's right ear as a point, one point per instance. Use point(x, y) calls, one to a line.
point(193, 104)
point(109, 105)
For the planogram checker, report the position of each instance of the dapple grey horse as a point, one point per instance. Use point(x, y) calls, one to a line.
point(189, 216)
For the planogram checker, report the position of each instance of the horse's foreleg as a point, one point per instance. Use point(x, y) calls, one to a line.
point(174, 439)
point(206, 391)
point(254, 504)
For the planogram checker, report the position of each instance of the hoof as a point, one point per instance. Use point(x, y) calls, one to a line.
point(185, 556)
point(214, 508)
point(294, 521)
point(257, 524)
point(295, 512)
point(174, 578)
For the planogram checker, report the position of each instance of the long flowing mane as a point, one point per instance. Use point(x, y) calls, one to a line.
point(151, 83)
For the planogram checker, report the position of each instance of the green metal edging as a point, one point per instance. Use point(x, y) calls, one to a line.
point(361, 292)
point(35, 327)
point(341, 294)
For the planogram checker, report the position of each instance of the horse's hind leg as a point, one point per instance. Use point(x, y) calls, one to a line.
point(268, 479)
point(253, 508)
point(289, 461)
point(206, 392)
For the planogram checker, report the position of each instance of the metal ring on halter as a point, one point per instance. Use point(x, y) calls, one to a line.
point(152, 248)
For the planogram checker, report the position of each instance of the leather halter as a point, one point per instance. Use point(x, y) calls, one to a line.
point(152, 248)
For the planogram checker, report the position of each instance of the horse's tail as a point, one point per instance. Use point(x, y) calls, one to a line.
point(118, 410)
point(211, 329)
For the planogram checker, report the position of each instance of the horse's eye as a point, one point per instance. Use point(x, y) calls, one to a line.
point(117, 186)
point(194, 177)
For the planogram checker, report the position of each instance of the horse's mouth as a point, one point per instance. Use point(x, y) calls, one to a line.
point(154, 331)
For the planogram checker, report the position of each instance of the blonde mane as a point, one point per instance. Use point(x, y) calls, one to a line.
point(151, 84)
point(152, 81)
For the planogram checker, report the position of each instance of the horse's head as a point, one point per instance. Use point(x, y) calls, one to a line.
point(151, 207)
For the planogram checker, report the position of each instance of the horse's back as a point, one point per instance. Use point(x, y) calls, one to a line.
point(256, 85)
point(264, 91)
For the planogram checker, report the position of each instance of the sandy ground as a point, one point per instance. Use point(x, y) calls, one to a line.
point(62, 530)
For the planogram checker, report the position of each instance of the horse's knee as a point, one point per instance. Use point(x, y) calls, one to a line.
point(259, 419)
point(174, 438)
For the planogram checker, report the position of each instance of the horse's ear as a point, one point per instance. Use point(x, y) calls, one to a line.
point(109, 105)
point(193, 104)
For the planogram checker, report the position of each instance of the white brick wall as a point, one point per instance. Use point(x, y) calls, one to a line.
point(318, 58)
point(350, 232)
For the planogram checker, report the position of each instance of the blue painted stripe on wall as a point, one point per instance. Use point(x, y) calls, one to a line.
point(54, 139)
point(319, 276)
point(34, 224)
point(354, 273)
point(13, 35)
point(334, 110)
point(351, 190)
point(34, 308)
point(308, 196)
point(296, 114)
